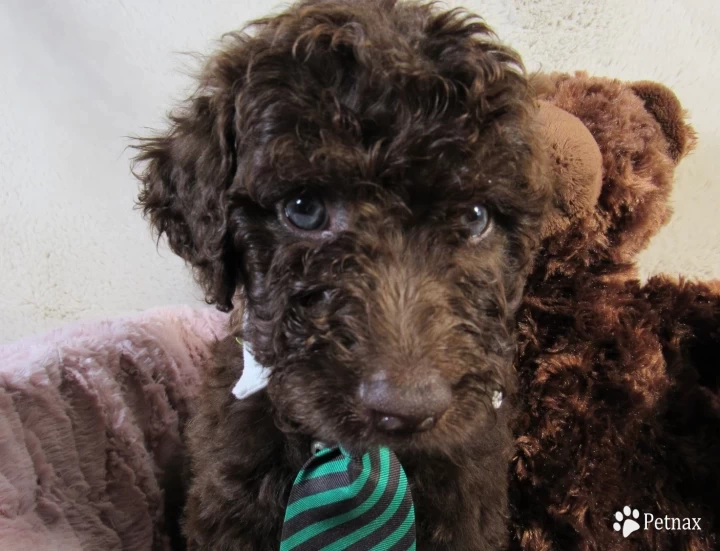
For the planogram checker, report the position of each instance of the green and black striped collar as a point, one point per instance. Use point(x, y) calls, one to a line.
point(343, 501)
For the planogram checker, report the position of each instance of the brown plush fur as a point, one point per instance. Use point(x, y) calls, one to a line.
point(402, 117)
point(620, 390)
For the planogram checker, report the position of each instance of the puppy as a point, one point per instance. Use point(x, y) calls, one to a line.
point(361, 179)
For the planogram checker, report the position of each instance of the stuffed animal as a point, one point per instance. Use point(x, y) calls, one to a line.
point(618, 430)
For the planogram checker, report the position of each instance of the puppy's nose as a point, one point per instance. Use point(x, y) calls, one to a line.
point(411, 407)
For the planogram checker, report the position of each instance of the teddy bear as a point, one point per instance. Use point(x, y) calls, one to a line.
point(618, 424)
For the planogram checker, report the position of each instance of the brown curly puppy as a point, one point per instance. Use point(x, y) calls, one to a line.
point(363, 177)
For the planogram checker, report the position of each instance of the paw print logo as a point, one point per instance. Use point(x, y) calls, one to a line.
point(626, 521)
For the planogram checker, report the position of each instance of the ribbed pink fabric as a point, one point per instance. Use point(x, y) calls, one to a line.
point(91, 418)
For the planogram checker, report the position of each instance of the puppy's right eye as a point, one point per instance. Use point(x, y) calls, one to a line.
point(477, 220)
point(306, 212)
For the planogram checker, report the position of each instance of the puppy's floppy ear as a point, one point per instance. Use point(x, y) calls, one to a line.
point(185, 176)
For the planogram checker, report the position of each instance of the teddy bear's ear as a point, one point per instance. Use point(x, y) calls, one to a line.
point(662, 104)
point(575, 167)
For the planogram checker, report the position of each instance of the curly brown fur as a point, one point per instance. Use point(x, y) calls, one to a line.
point(619, 384)
point(620, 406)
point(402, 117)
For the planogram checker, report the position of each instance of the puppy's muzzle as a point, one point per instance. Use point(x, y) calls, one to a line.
point(405, 406)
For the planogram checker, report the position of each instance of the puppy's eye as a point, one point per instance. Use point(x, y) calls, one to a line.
point(477, 220)
point(306, 212)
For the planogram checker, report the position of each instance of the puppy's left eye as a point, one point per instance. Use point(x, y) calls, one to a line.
point(306, 212)
point(477, 220)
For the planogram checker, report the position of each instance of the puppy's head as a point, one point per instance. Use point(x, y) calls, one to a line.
point(364, 176)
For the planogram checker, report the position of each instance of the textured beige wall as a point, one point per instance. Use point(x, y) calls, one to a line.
point(79, 76)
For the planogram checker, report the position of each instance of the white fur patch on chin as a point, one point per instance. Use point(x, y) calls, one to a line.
point(254, 377)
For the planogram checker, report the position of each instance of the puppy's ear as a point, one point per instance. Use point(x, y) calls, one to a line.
point(185, 175)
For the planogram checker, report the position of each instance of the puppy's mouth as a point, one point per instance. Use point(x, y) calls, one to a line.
point(398, 440)
point(364, 429)
point(417, 415)
point(389, 423)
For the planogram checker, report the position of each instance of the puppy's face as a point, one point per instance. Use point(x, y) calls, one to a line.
point(365, 175)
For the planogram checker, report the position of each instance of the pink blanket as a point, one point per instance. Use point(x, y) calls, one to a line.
point(91, 418)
